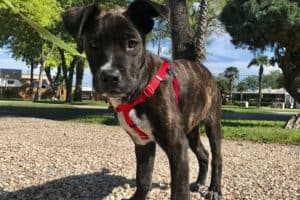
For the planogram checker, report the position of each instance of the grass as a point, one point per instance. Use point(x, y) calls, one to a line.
point(51, 104)
point(98, 119)
point(253, 109)
point(30, 104)
point(260, 131)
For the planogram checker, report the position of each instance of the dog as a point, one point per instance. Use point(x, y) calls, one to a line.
point(156, 101)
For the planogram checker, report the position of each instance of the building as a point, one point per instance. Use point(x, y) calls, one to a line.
point(10, 78)
point(271, 97)
point(25, 78)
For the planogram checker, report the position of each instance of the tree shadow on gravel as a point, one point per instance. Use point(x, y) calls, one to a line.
point(94, 186)
point(60, 114)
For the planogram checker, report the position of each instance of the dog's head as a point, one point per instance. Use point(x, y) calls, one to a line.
point(114, 42)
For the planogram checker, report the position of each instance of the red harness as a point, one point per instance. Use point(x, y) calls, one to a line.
point(148, 92)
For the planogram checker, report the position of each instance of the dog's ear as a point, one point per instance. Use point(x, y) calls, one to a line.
point(142, 12)
point(75, 20)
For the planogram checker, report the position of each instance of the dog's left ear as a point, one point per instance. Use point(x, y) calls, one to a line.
point(142, 12)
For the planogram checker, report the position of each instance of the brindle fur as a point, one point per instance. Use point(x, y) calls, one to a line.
point(175, 126)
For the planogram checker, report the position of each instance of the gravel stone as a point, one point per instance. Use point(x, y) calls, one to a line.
point(45, 159)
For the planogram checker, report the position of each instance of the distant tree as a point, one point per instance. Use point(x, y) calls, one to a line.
point(251, 82)
point(261, 62)
point(242, 87)
point(273, 80)
point(231, 73)
point(223, 83)
point(160, 31)
point(24, 43)
point(275, 24)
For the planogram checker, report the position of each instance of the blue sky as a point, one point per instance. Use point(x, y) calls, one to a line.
point(221, 54)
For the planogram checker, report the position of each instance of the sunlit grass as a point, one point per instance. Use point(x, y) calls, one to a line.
point(52, 104)
point(260, 131)
point(253, 109)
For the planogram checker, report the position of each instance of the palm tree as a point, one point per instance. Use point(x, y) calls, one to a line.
point(201, 31)
point(231, 73)
point(260, 61)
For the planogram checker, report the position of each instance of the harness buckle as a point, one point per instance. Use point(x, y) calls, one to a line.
point(148, 91)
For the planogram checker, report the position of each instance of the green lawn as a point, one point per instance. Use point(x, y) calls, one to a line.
point(51, 104)
point(260, 131)
point(253, 109)
point(30, 104)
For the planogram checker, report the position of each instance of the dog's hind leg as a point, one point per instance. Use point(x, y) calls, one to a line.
point(213, 131)
point(145, 156)
point(202, 157)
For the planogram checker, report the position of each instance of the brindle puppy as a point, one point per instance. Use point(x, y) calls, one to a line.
point(114, 43)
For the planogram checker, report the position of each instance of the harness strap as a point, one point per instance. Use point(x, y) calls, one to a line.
point(148, 92)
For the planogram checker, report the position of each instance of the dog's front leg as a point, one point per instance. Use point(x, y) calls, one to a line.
point(176, 148)
point(145, 155)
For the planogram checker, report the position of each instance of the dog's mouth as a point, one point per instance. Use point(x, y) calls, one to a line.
point(115, 93)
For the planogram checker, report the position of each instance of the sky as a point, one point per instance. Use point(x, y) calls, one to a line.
point(220, 55)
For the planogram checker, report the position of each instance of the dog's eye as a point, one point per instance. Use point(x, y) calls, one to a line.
point(93, 44)
point(132, 44)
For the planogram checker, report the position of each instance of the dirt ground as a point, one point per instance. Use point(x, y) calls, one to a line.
point(49, 159)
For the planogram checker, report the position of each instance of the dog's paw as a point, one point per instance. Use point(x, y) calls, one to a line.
point(212, 195)
point(197, 187)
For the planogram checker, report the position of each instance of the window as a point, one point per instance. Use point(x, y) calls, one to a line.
point(10, 82)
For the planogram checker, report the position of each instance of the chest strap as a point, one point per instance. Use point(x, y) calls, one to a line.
point(148, 92)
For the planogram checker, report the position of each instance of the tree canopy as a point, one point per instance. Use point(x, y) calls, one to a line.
point(273, 24)
point(24, 42)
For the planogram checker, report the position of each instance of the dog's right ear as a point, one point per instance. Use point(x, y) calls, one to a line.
point(142, 12)
point(75, 20)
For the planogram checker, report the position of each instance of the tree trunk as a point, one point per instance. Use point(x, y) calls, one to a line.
point(42, 68)
point(57, 84)
point(48, 74)
point(65, 71)
point(69, 82)
point(260, 83)
point(201, 32)
point(230, 89)
point(37, 95)
point(31, 79)
point(289, 62)
point(79, 78)
point(294, 122)
point(181, 32)
point(51, 81)
point(292, 82)
point(63, 63)
point(290, 65)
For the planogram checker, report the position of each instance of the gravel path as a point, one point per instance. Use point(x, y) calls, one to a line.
point(46, 159)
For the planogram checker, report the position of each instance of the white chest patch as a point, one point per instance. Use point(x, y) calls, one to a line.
point(142, 123)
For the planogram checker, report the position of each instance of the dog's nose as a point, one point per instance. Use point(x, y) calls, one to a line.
point(110, 76)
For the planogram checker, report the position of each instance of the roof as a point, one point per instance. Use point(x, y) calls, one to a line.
point(267, 91)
